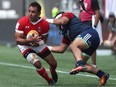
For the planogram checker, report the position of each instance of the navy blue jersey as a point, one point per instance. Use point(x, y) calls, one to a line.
point(74, 27)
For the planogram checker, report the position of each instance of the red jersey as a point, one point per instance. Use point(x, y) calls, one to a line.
point(90, 6)
point(24, 25)
point(68, 15)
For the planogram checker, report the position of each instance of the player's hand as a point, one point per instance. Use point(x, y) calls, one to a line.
point(39, 43)
point(35, 39)
point(94, 27)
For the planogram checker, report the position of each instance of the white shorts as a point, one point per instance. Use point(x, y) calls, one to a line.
point(38, 49)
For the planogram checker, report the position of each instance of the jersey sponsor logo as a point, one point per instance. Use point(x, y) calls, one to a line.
point(39, 28)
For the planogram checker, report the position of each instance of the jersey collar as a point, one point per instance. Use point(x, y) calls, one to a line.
point(34, 23)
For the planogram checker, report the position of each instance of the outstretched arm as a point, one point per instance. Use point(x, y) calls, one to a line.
point(58, 49)
point(60, 21)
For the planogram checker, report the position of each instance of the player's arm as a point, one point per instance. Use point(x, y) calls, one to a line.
point(58, 49)
point(95, 6)
point(97, 12)
point(60, 21)
point(110, 31)
point(21, 39)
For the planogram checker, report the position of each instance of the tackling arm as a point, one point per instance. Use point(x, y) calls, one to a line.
point(58, 49)
point(60, 21)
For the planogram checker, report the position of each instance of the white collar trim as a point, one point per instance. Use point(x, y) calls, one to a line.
point(34, 23)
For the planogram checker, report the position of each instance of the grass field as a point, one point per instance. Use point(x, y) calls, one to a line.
point(15, 71)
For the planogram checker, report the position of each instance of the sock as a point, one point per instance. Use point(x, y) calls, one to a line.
point(43, 73)
point(54, 74)
point(79, 63)
point(52, 70)
point(100, 73)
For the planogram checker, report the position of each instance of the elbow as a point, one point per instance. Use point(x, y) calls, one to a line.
point(61, 51)
point(17, 42)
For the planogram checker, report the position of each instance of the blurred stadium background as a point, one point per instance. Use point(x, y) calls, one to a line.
point(12, 10)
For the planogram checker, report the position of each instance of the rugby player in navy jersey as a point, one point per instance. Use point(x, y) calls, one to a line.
point(83, 41)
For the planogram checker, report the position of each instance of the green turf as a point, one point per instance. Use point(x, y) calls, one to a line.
point(14, 73)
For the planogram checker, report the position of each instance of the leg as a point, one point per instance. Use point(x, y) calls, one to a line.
point(76, 46)
point(34, 59)
point(113, 43)
point(86, 41)
point(101, 74)
point(93, 58)
point(48, 57)
point(53, 64)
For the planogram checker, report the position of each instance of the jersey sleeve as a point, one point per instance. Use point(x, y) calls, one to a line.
point(69, 15)
point(95, 5)
point(20, 26)
point(65, 40)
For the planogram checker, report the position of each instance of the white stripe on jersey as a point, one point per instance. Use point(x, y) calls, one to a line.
point(18, 31)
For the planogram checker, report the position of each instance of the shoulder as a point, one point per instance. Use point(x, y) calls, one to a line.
point(44, 21)
point(23, 20)
point(69, 15)
point(44, 25)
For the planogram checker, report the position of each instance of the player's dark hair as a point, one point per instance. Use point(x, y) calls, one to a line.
point(35, 4)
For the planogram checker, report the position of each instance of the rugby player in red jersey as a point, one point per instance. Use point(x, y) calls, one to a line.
point(30, 52)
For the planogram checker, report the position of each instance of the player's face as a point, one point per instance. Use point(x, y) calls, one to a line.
point(33, 14)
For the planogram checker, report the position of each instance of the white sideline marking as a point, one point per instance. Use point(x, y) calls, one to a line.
point(22, 66)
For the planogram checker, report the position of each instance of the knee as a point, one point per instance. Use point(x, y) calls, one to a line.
point(33, 59)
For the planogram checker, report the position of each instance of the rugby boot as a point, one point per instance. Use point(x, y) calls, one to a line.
point(78, 69)
point(51, 82)
point(104, 79)
point(54, 75)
